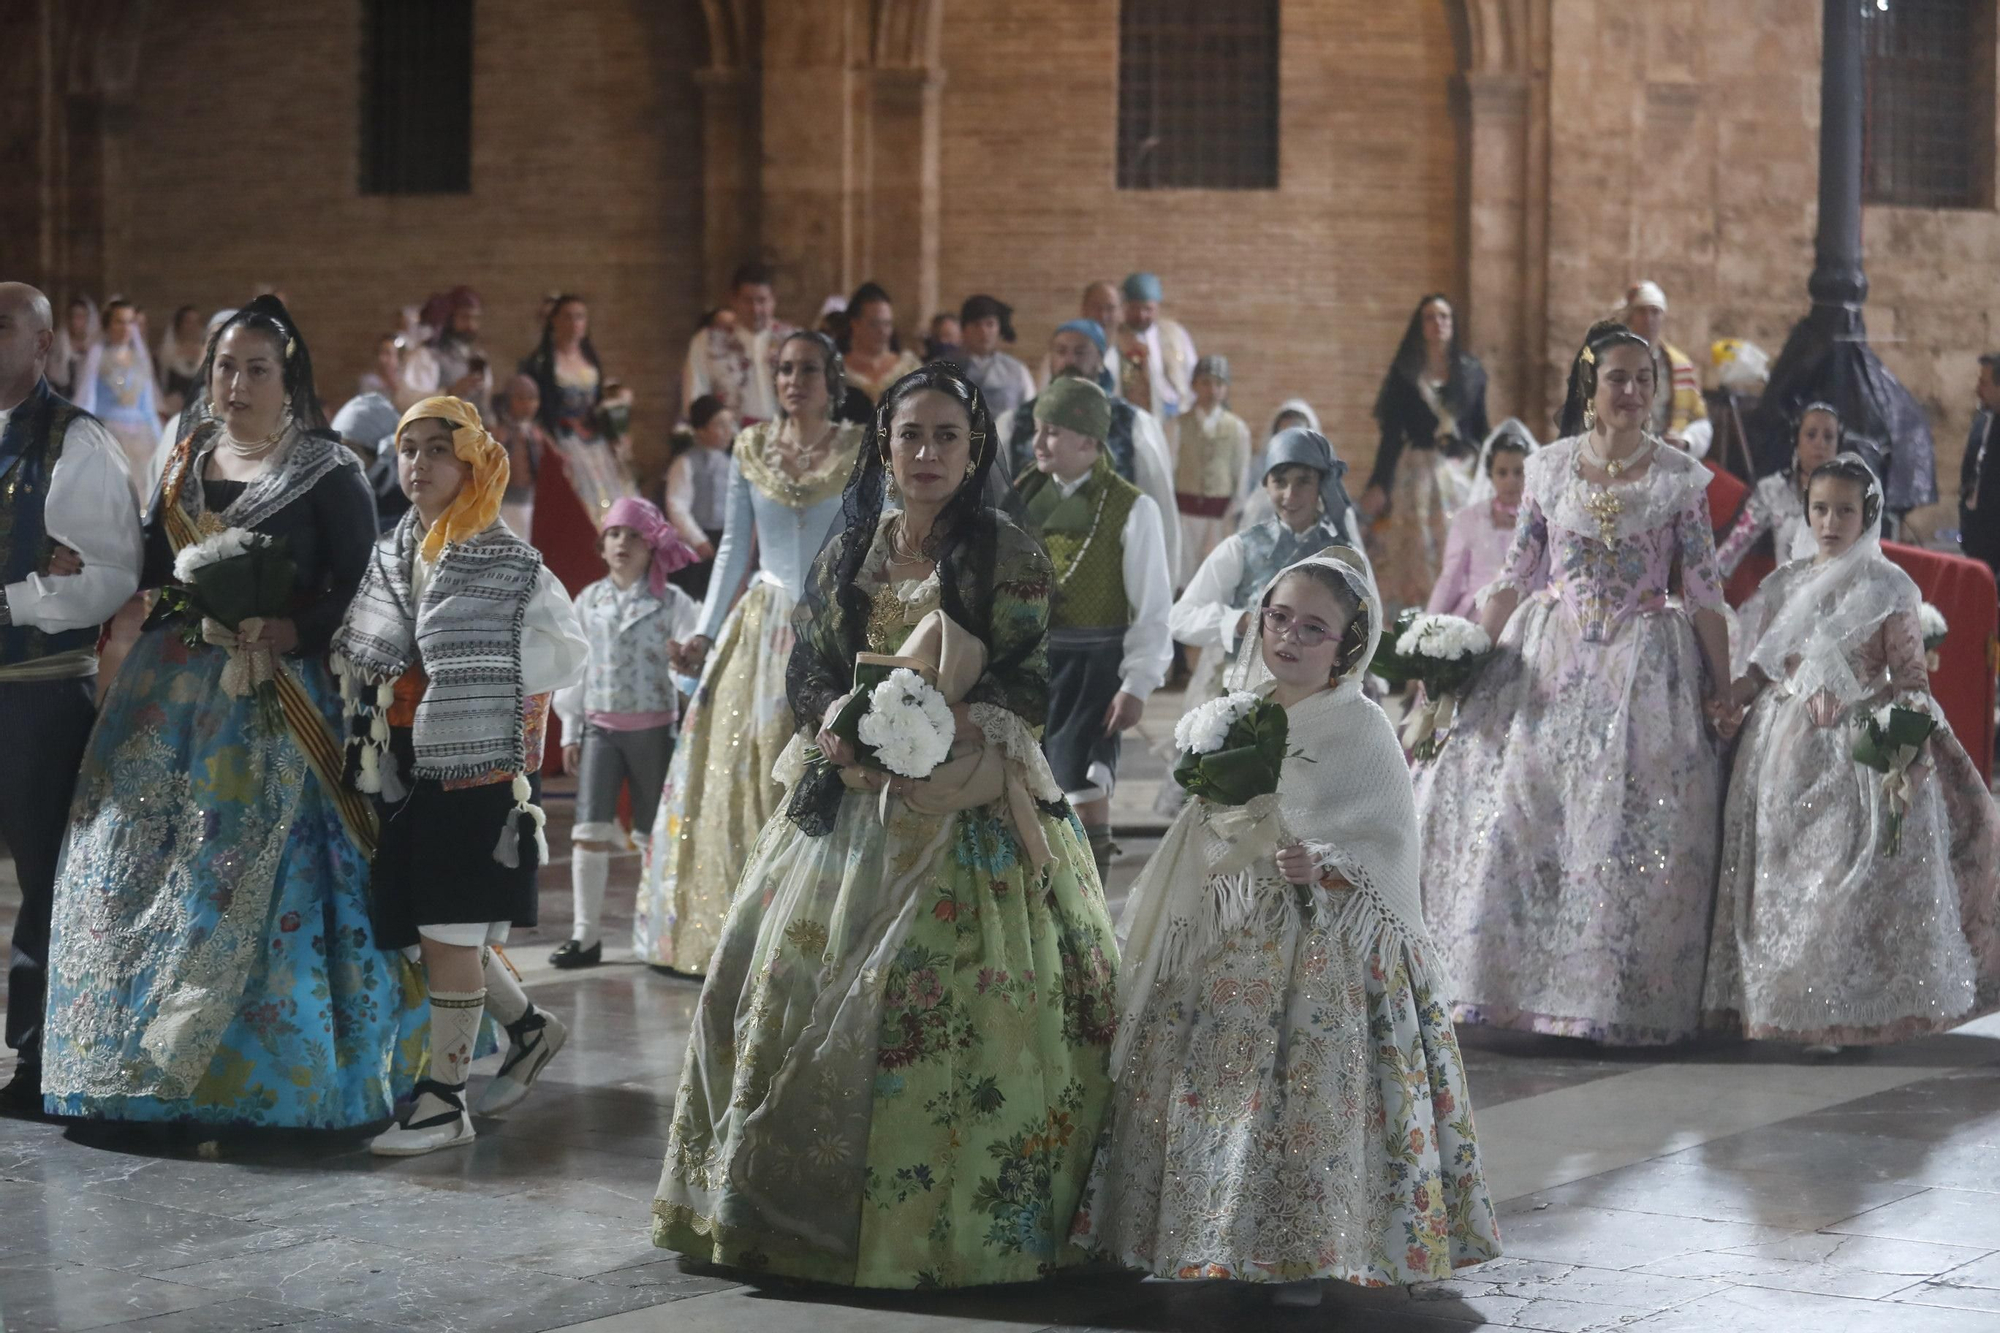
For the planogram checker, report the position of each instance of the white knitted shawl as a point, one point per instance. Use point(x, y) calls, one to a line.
point(1348, 799)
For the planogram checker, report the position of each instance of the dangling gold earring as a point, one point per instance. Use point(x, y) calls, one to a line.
point(1590, 416)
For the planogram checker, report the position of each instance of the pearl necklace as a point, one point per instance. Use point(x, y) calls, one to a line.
point(804, 456)
point(1616, 467)
point(251, 449)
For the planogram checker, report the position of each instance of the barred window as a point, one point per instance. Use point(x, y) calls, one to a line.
point(1198, 95)
point(1929, 124)
point(416, 97)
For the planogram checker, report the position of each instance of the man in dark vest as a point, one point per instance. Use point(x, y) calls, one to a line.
point(65, 505)
point(1108, 639)
point(1137, 449)
point(1979, 474)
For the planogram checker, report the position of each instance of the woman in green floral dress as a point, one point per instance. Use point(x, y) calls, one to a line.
point(899, 1062)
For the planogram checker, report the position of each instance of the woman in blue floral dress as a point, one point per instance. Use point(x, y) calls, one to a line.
point(899, 1058)
point(212, 960)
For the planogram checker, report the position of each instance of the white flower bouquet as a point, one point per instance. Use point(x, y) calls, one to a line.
point(900, 724)
point(1232, 748)
point(1443, 653)
point(237, 579)
point(1933, 626)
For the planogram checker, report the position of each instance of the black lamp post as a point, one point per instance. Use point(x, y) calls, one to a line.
point(1827, 357)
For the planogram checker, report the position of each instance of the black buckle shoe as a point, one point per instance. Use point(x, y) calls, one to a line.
point(573, 955)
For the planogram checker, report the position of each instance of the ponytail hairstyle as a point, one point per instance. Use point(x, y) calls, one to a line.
point(1850, 467)
point(1603, 336)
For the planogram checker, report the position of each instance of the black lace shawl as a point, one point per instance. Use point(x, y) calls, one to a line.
point(994, 579)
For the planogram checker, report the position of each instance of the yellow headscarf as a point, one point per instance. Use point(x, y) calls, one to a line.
point(477, 503)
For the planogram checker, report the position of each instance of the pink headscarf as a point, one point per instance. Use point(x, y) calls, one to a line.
point(669, 551)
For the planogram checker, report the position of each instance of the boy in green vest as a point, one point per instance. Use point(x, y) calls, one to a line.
point(1108, 641)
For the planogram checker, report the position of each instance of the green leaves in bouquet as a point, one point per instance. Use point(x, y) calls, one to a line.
point(1247, 765)
point(1878, 747)
point(256, 583)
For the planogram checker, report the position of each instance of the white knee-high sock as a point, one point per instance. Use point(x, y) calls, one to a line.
point(454, 1028)
point(589, 869)
point(504, 995)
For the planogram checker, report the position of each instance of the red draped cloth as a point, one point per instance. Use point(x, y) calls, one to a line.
point(1962, 589)
point(1963, 683)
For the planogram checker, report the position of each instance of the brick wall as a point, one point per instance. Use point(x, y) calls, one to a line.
point(1306, 288)
point(1702, 173)
point(241, 169)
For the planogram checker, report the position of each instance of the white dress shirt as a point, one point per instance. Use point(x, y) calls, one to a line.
point(1149, 645)
point(89, 508)
point(1152, 470)
point(753, 400)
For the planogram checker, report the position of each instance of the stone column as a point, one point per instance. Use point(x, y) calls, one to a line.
point(1496, 110)
point(27, 205)
point(732, 173)
point(903, 190)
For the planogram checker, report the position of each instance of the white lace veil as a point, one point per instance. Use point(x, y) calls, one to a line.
point(1482, 477)
point(1248, 671)
point(1828, 610)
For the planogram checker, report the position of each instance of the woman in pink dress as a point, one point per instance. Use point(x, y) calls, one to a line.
point(1475, 546)
point(1569, 827)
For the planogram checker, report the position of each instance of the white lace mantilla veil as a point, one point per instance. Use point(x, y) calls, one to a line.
point(1823, 613)
point(1482, 477)
point(1352, 805)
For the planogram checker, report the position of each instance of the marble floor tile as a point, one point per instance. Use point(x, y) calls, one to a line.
point(1547, 1140)
point(1767, 1198)
point(1610, 1238)
point(503, 1230)
point(1941, 1216)
point(1868, 1267)
point(1764, 1310)
point(63, 1297)
point(409, 1290)
point(249, 1315)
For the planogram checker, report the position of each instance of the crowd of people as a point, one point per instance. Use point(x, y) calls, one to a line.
point(269, 867)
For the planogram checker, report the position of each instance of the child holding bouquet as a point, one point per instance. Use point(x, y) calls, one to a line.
point(1291, 1105)
point(619, 721)
point(1860, 876)
point(447, 658)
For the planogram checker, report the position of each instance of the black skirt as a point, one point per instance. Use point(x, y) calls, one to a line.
point(434, 861)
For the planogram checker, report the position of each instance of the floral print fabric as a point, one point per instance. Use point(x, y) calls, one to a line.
point(212, 959)
point(1819, 937)
point(1293, 1107)
point(1569, 826)
point(898, 1064)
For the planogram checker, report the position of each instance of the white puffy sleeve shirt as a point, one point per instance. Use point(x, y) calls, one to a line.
point(88, 508)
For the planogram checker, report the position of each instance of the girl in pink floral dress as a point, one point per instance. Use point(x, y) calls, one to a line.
point(1569, 826)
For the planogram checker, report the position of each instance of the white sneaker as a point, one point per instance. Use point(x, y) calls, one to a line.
point(529, 1050)
point(437, 1119)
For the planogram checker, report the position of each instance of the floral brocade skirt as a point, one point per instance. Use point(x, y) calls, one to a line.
point(719, 792)
point(898, 1064)
point(1569, 831)
point(1293, 1107)
point(212, 959)
point(1821, 935)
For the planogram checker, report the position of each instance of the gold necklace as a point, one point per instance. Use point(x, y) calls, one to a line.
point(900, 550)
